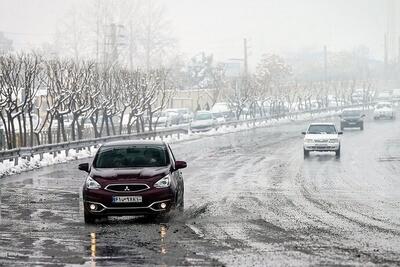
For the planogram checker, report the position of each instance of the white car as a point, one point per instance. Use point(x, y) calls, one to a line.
point(396, 94)
point(202, 121)
point(384, 110)
point(322, 137)
point(384, 96)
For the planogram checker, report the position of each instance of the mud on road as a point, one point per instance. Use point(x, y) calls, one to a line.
point(251, 199)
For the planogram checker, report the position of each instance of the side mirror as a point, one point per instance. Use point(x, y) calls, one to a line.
point(303, 133)
point(180, 164)
point(84, 167)
point(339, 133)
point(363, 115)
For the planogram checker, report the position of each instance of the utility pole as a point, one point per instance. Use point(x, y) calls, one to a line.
point(245, 58)
point(386, 56)
point(325, 65)
point(130, 45)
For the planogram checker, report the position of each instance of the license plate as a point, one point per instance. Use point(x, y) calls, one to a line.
point(352, 123)
point(127, 199)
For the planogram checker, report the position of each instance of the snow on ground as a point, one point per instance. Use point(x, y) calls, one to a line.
point(7, 167)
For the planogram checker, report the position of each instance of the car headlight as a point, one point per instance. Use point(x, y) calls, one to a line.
point(308, 140)
point(333, 140)
point(163, 182)
point(92, 184)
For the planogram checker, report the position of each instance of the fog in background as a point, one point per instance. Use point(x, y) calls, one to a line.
point(218, 27)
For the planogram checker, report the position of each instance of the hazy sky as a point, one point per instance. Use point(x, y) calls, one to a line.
point(219, 26)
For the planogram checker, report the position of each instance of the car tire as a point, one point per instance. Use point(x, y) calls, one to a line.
point(306, 153)
point(337, 152)
point(88, 217)
point(362, 127)
point(180, 200)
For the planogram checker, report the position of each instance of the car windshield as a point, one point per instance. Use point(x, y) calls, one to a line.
point(322, 129)
point(203, 116)
point(351, 113)
point(131, 157)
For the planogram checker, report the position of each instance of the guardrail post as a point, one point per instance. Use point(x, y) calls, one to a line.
point(66, 152)
point(41, 156)
point(16, 161)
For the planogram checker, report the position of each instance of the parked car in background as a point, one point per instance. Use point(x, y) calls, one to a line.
point(357, 96)
point(203, 121)
point(222, 112)
point(352, 118)
point(396, 95)
point(162, 119)
point(384, 110)
point(174, 116)
point(132, 178)
point(322, 137)
point(185, 115)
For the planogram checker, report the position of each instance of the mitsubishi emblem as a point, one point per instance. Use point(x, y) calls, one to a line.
point(127, 188)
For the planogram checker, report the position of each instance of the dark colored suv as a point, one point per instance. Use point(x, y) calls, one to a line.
point(352, 118)
point(132, 178)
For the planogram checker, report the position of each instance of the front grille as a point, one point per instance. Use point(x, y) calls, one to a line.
point(127, 187)
point(320, 141)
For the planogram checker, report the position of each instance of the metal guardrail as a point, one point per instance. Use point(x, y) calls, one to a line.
point(29, 152)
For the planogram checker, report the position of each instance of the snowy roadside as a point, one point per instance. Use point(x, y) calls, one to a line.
point(8, 168)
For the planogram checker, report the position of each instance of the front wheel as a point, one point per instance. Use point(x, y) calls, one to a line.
point(306, 153)
point(337, 152)
point(180, 203)
point(88, 217)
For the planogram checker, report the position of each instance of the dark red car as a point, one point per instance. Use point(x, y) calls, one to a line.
point(132, 178)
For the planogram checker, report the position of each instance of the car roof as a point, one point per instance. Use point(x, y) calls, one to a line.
point(352, 109)
point(134, 142)
point(322, 123)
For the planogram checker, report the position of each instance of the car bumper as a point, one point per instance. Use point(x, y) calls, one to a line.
point(351, 123)
point(201, 129)
point(322, 147)
point(151, 202)
point(383, 115)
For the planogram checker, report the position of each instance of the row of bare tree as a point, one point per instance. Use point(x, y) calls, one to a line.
point(272, 90)
point(56, 98)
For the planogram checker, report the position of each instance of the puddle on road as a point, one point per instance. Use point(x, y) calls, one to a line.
point(100, 250)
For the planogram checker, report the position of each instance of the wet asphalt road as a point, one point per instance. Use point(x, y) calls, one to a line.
point(251, 200)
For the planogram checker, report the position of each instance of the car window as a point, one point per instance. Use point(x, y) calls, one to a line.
point(322, 129)
point(383, 106)
point(131, 157)
point(203, 116)
point(351, 113)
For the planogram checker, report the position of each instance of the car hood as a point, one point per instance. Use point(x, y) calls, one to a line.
point(321, 136)
point(201, 123)
point(383, 110)
point(102, 174)
point(352, 118)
